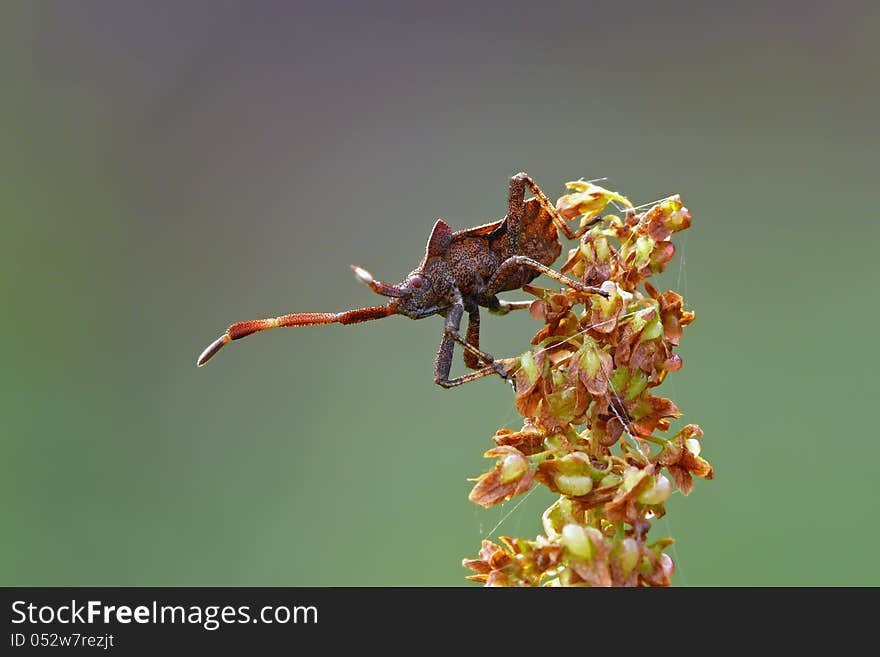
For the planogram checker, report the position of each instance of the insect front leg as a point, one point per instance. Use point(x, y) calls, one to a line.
point(471, 360)
point(451, 335)
point(443, 365)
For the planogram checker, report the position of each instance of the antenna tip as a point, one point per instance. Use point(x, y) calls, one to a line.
point(212, 349)
point(362, 275)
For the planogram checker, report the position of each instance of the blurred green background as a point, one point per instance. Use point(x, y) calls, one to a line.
point(169, 168)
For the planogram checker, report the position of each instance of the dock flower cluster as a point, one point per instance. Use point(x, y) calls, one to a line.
point(593, 427)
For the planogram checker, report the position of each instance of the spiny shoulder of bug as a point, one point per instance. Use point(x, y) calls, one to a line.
point(431, 287)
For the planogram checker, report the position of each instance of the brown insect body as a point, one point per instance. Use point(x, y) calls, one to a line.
point(461, 272)
point(477, 253)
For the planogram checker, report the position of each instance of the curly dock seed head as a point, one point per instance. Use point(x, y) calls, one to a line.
point(585, 392)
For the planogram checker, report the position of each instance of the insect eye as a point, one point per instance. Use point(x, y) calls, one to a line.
point(417, 282)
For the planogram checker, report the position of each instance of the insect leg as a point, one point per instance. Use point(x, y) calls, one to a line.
point(523, 261)
point(515, 208)
point(498, 306)
point(471, 360)
point(524, 180)
point(452, 326)
point(443, 363)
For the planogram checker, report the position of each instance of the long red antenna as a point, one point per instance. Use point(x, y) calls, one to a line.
point(243, 329)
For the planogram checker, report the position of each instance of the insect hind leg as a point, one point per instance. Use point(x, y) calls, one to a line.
point(525, 181)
